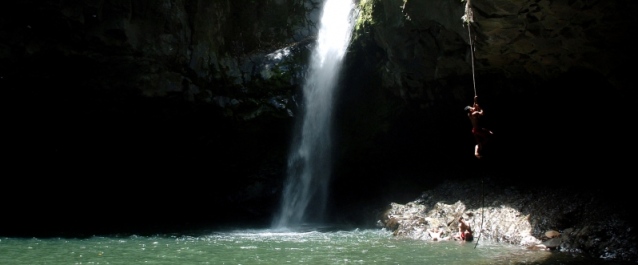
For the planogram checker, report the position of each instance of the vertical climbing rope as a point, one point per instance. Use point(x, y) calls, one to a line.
point(482, 212)
point(472, 54)
point(468, 18)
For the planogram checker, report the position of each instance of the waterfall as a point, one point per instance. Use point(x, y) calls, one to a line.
point(305, 191)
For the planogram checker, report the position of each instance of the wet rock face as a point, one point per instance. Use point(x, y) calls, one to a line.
point(197, 50)
point(547, 38)
point(171, 88)
point(427, 41)
point(549, 218)
point(219, 51)
point(204, 49)
point(537, 65)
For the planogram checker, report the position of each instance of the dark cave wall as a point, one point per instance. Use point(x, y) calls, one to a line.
point(139, 100)
point(540, 67)
point(113, 114)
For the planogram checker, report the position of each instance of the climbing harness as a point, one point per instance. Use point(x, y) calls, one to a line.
point(468, 19)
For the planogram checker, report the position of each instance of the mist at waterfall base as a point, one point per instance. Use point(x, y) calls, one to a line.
point(309, 167)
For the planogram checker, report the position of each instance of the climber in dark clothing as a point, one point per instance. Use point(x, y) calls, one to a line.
point(481, 134)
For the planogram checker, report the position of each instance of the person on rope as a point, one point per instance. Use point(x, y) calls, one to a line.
point(481, 134)
point(465, 231)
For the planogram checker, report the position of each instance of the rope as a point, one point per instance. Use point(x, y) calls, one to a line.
point(482, 212)
point(472, 54)
point(468, 18)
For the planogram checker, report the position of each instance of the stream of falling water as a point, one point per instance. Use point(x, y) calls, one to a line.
point(309, 161)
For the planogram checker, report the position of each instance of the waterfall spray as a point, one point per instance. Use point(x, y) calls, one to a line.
point(309, 163)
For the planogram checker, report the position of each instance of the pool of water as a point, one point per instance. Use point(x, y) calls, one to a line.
point(263, 246)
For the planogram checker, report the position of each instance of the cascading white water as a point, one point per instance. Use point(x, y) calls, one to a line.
point(309, 164)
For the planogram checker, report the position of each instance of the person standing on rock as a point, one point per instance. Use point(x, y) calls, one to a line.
point(481, 134)
point(465, 231)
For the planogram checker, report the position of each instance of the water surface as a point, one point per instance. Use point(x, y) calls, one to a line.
point(367, 246)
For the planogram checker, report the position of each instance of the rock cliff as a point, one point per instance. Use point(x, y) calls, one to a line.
point(188, 104)
point(541, 219)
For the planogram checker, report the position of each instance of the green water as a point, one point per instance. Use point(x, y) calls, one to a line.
point(248, 247)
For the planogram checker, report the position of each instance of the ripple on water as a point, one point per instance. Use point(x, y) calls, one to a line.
point(271, 247)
